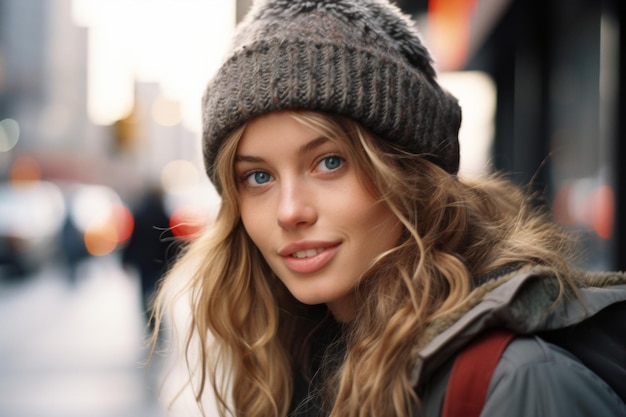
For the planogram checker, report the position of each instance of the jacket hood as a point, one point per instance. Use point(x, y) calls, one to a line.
point(525, 301)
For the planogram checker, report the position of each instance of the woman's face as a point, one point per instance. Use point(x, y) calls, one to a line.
point(305, 209)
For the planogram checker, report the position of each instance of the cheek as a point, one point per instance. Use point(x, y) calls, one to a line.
point(361, 208)
point(379, 226)
point(253, 223)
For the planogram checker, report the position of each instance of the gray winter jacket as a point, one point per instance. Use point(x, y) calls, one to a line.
point(533, 377)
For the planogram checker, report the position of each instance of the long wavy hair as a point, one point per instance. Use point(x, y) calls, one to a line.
point(252, 334)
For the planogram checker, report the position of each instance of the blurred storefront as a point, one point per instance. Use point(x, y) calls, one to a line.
point(557, 67)
point(558, 124)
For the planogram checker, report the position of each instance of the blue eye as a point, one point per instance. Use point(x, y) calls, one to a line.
point(330, 163)
point(258, 178)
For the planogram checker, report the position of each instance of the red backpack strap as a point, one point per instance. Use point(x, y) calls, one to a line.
point(471, 373)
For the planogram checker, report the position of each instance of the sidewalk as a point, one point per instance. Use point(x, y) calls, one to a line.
point(75, 351)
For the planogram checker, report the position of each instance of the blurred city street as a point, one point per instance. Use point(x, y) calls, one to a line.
point(102, 173)
point(75, 348)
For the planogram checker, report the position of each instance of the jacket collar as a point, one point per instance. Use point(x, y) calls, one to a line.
point(523, 299)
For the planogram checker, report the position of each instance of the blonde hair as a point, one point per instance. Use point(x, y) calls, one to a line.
point(454, 230)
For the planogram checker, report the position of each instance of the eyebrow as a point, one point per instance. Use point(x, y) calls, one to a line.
point(307, 147)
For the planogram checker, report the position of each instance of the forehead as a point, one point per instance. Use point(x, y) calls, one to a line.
point(288, 128)
point(274, 125)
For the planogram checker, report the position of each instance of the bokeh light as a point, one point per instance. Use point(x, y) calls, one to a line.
point(187, 221)
point(104, 220)
point(166, 112)
point(101, 239)
point(178, 175)
point(582, 203)
point(25, 168)
point(9, 134)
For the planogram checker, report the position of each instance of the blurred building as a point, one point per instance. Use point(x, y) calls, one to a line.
point(43, 87)
point(557, 66)
point(559, 122)
point(43, 77)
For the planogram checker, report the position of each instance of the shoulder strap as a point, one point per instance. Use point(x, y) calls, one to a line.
point(471, 373)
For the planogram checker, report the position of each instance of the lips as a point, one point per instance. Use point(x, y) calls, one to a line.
point(308, 257)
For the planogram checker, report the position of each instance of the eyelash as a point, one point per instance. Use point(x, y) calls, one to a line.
point(327, 157)
point(247, 175)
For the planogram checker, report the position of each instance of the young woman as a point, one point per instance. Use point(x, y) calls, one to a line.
point(349, 263)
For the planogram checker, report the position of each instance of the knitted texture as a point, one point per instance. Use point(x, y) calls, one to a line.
point(358, 58)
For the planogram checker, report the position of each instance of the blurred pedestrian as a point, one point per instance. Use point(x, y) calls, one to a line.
point(151, 247)
point(349, 263)
point(73, 246)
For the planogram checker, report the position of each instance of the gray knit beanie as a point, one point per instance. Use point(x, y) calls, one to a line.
point(358, 58)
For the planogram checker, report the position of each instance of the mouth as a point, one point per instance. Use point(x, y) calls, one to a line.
point(307, 253)
point(311, 259)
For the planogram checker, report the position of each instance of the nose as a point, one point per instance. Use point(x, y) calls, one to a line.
point(296, 208)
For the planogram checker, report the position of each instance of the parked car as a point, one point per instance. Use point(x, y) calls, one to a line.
point(31, 219)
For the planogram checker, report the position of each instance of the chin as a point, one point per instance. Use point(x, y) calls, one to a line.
point(310, 300)
point(310, 297)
